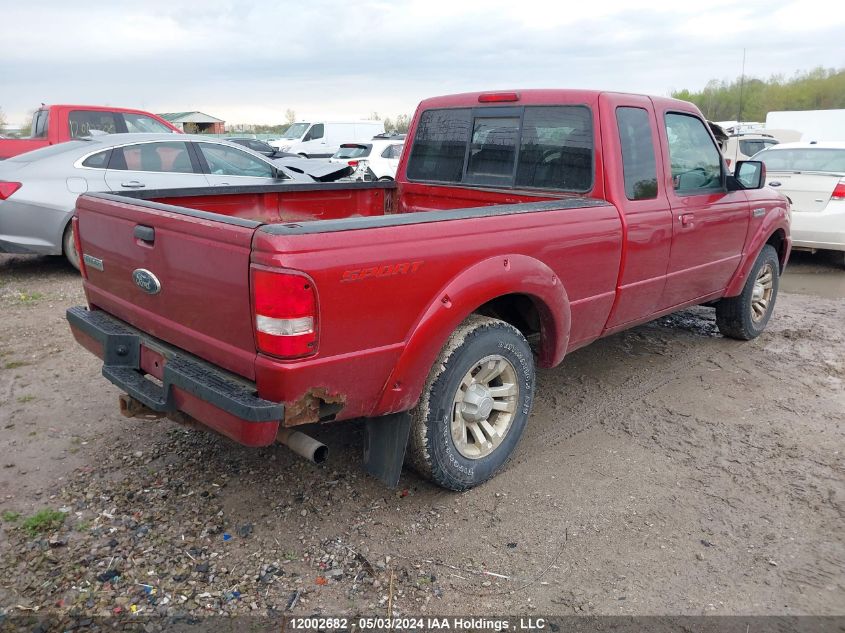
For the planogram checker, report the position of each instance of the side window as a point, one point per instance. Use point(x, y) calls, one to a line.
point(493, 150)
point(228, 161)
point(85, 122)
point(168, 157)
point(392, 151)
point(315, 132)
point(440, 145)
point(695, 161)
point(143, 123)
point(556, 149)
point(638, 162)
point(99, 160)
point(39, 124)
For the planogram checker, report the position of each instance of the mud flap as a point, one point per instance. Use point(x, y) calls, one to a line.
point(384, 447)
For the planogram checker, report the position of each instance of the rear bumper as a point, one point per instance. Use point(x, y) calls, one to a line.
point(217, 398)
point(820, 229)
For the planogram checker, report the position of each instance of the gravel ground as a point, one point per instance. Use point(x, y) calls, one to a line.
point(665, 470)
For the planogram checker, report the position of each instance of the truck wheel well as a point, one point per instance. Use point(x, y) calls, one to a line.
point(518, 310)
point(778, 241)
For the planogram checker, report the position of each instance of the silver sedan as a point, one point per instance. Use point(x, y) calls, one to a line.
point(38, 190)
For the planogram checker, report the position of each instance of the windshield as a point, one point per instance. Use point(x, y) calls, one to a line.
point(353, 151)
point(45, 152)
point(295, 131)
point(804, 159)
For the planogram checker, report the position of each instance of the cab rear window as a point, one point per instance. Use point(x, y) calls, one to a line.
point(533, 147)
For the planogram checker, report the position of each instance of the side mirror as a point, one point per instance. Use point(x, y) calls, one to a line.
point(751, 174)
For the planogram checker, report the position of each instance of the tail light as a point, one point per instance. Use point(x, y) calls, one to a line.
point(77, 242)
point(285, 308)
point(8, 188)
point(838, 191)
point(352, 163)
point(728, 160)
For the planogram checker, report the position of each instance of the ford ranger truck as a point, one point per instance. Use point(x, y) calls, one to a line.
point(522, 226)
point(60, 123)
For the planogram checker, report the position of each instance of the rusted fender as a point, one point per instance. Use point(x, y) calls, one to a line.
point(464, 294)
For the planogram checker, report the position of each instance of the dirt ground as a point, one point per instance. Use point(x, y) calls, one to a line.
point(665, 470)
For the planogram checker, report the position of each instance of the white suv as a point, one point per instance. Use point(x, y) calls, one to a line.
point(374, 160)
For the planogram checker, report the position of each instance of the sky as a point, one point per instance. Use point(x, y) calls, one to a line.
point(248, 62)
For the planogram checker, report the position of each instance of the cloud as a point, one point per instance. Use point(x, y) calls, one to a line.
point(250, 61)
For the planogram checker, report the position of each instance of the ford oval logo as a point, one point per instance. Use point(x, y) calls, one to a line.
point(146, 281)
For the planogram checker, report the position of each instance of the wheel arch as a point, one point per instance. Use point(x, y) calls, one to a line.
point(517, 289)
point(774, 231)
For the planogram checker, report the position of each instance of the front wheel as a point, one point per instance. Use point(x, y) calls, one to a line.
point(474, 406)
point(69, 246)
point(745, 316)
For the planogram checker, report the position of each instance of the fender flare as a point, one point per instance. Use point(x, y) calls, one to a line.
point(461, 296)
point(772, 223)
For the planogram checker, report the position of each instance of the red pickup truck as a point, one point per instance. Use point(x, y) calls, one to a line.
point(59, 123)
point(522, 226)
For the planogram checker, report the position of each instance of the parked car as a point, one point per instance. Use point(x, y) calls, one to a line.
point(261, 147)
point(412, 304)
point(38, 189)
point(812, 176)
point(743, 146)
point(322, 139)
point(374, 160)
point(59, 123)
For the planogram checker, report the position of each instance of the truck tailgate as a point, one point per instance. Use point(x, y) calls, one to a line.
point(180, 277)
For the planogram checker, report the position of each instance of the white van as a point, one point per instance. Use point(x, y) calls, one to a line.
point(322, 139)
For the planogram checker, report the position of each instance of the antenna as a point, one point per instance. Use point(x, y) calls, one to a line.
point(741, 85)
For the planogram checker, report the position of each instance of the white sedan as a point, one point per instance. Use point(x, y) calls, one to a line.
point(812, 175)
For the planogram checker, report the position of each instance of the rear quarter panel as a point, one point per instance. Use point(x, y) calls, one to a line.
point(377, 288)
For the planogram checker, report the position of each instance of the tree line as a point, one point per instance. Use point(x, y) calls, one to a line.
point(817, 89)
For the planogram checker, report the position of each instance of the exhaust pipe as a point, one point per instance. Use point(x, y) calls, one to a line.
point(303, 445)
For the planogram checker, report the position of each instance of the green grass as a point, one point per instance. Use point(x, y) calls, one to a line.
point(43, 521)
point(28, 297)
point(14, 364)
point(10, 517)
point(26, 398)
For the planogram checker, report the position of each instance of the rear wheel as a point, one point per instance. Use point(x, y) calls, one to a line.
point(474, 406)
point(69, 246)
point(745, 316)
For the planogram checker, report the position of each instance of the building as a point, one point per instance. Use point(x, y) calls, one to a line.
point(195, 122)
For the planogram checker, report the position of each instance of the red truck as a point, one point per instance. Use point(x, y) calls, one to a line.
point(522, 225)
point(59, 123)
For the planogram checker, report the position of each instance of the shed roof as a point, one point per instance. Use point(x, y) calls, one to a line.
point(189, 117)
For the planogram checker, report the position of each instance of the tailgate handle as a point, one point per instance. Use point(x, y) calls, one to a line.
point(145, 233)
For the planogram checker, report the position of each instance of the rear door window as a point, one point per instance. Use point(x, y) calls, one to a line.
point(167, 156)
point(639, 166)
point(100, 160)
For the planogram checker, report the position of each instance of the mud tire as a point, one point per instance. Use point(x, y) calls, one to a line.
point(734, 314)
point(431, 449)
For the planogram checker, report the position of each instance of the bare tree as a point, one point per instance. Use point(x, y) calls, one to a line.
point(2, 120)
point(374, 117)
point(290, 116)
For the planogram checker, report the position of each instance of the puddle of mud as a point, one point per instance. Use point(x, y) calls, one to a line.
point(814, 274)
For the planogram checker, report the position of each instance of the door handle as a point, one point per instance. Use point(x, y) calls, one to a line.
point(145, 233)
point(686, 219)
point(133, 184)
